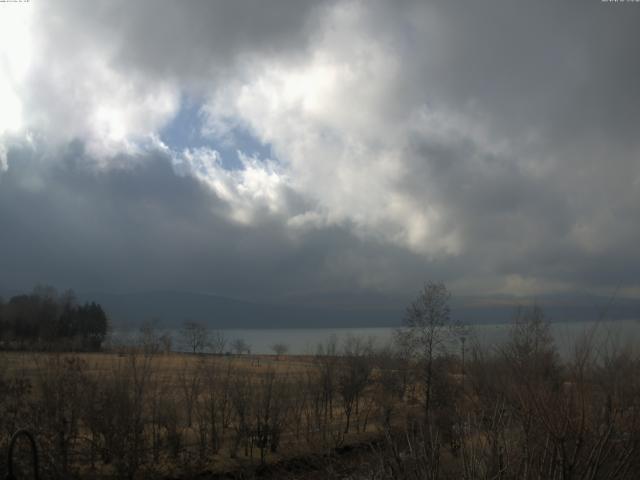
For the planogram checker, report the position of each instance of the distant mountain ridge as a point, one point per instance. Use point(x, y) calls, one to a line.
point(339, 310)
point(172, 308)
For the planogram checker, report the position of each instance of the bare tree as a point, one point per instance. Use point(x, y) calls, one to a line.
point(354, 375)
point(270, 408)
point(427, 327)
point(388, 387)
point(217, 342)
point(215, 404)
point(241, 396)
point(280, 349)
point(148, 337)
point(327, 362)
point(166, 342)
point(121, 413)
point(195, 336)
point(240, 346)
point(61, 383)
point(189, 380)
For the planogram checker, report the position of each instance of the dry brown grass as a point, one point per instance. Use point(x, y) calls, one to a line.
point(96, 362)
point(168, 376)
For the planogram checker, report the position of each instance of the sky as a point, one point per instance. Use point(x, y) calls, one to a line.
point(268, 150)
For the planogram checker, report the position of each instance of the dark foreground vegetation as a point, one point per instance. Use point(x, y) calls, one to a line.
point(432, 406)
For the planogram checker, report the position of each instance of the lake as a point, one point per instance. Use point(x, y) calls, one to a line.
point(304, 341)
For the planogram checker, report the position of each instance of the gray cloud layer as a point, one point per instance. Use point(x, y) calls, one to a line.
point(492, 145)
point(144, 227)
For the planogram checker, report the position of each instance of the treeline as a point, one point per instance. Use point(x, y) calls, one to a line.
point(45, 319)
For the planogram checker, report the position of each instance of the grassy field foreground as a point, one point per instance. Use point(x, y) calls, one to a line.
point(135, 414)
point(515, 411)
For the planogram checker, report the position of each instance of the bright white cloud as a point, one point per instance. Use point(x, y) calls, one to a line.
point(327, 118)
point(15, 59)
point(84, 97)
point(58, 83)
point(251, 191)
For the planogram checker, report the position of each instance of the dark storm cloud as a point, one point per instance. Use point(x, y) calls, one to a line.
point(142, 227)
point(559, 83)
point(517, 223)
point(562, 66)
point(182, 41)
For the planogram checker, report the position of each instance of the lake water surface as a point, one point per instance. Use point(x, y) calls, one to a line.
point(607, 334)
